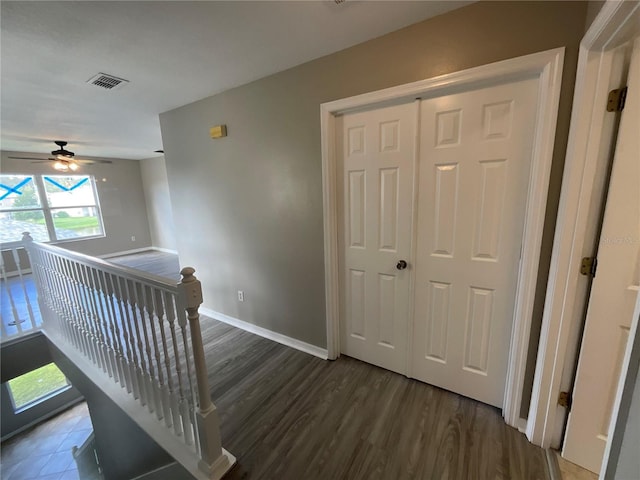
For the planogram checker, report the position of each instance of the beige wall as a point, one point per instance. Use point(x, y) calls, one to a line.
point(249, 206)
point(158, 200)
point(593, 9)
point(124, 211)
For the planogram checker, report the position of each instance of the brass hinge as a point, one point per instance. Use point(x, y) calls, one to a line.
point(564, 400)
point(617, 97)
point(588, 266)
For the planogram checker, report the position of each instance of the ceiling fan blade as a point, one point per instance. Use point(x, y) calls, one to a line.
point(40, 161)
point(26, 158)
point(91, 162)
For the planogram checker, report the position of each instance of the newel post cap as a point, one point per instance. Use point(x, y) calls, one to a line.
point(191, 287)
point(26, 237)
point(188, 274)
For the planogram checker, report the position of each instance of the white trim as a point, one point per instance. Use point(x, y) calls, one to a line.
point(165, 250)
point(547, 66)
point(266, 333)
point(575, 226)
point(125, 252)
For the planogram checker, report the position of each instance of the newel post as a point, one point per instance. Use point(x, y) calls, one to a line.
point(207, 421)
point(27, 243)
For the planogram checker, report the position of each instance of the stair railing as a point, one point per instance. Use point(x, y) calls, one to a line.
point(19, 314)
point(142, 331)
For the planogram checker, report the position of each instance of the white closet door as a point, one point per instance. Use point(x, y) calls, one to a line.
point(475, 159)
point(376, 154)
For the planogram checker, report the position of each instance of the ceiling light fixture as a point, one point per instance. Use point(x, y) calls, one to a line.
point(63, 165)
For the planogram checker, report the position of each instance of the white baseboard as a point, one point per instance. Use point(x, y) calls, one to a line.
point(165, 250)
point(269, 334)
point(125, 252)
point(522, 425)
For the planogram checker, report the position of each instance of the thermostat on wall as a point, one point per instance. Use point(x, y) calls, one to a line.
point(218, 131)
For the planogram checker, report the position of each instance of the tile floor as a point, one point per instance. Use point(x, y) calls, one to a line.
point(571, 471)
point(44, 451)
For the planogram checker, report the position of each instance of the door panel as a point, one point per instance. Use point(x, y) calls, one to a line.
point(475, 151)
point(376, 154)
point(613, 293)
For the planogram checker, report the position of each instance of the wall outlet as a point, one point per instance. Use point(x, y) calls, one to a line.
point(240, 296)
point(133, 238)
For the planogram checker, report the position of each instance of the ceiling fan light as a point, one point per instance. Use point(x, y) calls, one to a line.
point(61, 166)
point(73, 166)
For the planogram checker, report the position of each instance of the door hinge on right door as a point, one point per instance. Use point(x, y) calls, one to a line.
point(564, 400)
point(616, 100)
point(588, 266)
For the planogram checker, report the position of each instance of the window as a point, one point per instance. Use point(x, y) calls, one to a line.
point(50, 207)
point(39, 384)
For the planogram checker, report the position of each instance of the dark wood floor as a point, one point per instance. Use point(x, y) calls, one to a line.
point(152, 261)
point(287, 415)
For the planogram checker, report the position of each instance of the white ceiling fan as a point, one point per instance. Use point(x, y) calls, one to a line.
point(63, 159)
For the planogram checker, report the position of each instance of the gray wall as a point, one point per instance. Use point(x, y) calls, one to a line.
point(158, 200)
point(124, 211)
point(249, 206)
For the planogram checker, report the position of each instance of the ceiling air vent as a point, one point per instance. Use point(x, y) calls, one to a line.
point(106, 81)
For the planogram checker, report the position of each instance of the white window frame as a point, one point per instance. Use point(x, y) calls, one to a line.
point(46, 209)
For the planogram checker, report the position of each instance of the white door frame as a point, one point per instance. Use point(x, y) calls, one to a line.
point(547, 66)
point(588, 149)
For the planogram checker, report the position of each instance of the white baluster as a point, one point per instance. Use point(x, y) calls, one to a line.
point(138, 349)
point(158, 382)
point(85, 312)
point(74, 307)
point(96, 328)
point(167, 388)
point(187, 407)
point(96, 303)
point(149, 371)
point(123, 317)
point(113, 322)
point(177, 398)
point(57, 303)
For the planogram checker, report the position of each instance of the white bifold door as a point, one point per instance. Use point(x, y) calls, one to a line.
point(440, 184)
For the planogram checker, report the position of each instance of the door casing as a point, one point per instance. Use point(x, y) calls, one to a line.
point(547, 67)
point(590, 134)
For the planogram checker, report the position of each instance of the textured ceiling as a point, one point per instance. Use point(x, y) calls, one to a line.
point(173, 53)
